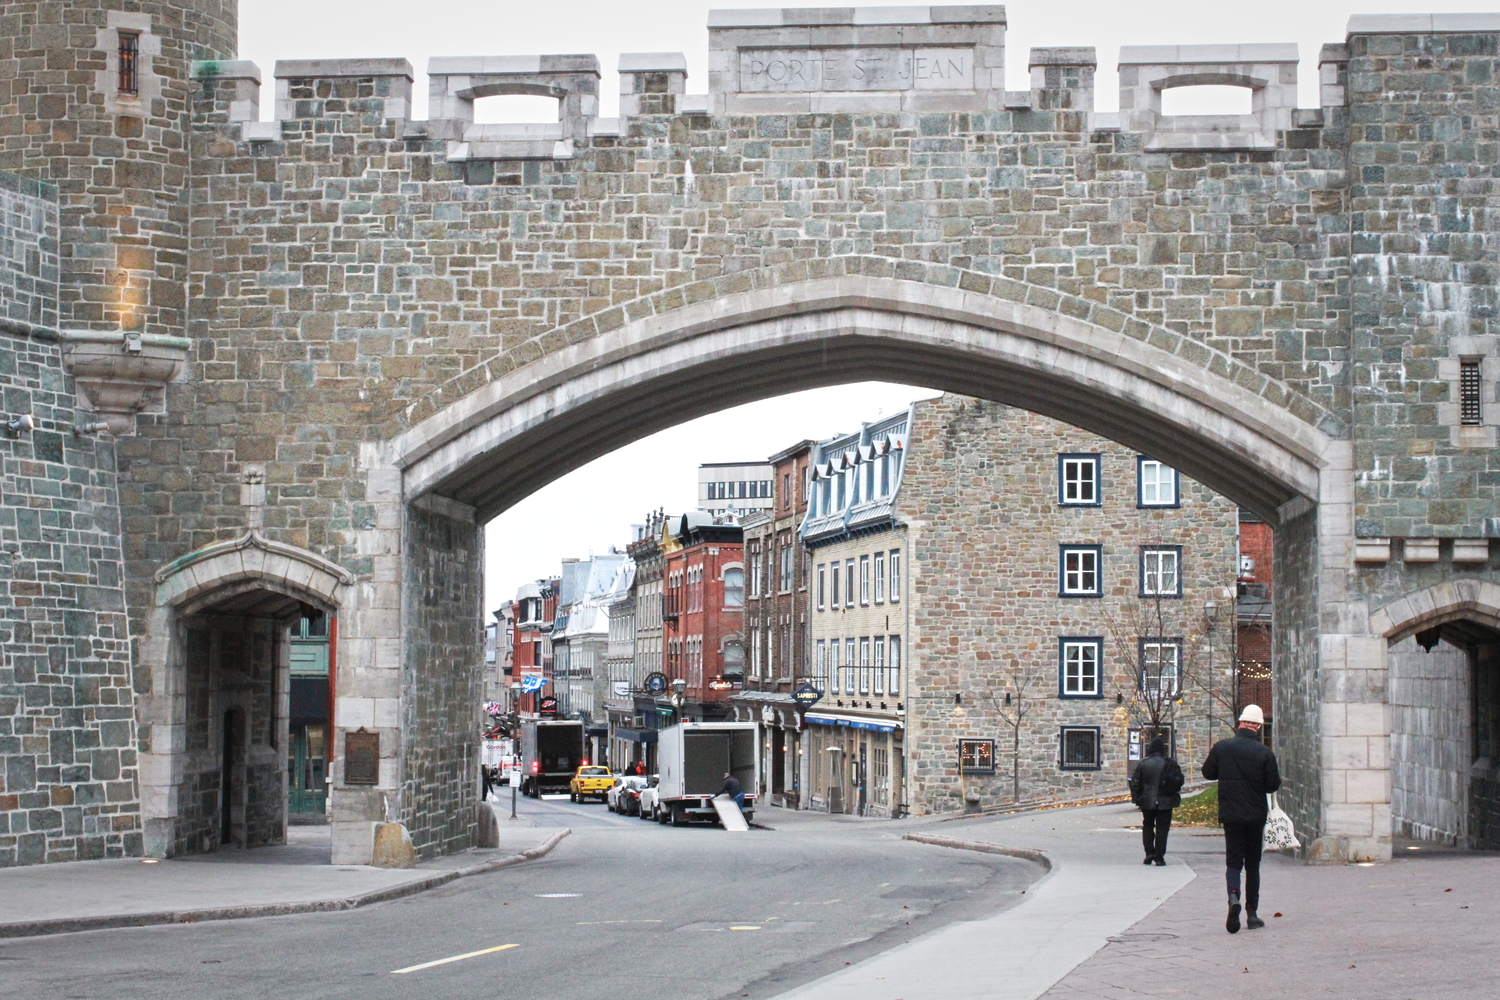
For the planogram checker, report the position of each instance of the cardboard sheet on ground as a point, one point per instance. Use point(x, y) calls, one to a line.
point(730, 815)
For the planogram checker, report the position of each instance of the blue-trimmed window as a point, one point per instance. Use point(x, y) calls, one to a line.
point(1080, 666)
point(1161, 665)
point(1156, 485)
point(1080, 571)
point(1078, 480)
point(1078, 748)
point(1161, 571)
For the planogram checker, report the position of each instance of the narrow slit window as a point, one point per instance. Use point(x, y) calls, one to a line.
point(130, 52)
point(1470, 410)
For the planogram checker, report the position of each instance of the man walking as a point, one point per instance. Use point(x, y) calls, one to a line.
point(1245, 769)
point(1154, 789)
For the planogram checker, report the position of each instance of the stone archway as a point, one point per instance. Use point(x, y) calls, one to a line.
point(216, 718)
point(1444, 713)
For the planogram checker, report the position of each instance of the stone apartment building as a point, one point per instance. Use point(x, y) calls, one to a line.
point(776, 625)
point(652, 708)
point(984, 580)
point(703, 613)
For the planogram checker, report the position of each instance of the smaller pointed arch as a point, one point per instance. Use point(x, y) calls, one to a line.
point(251, 561)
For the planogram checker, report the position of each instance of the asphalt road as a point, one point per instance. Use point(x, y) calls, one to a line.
point(623, 909)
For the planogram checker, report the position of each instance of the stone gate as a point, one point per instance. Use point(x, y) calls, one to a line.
point(298, 363)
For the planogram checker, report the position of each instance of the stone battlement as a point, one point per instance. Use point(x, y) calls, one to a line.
point(849, 60)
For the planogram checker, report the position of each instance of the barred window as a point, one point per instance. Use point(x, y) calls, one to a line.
point(1470, 410)
point(130, 52)
point(1080, 748)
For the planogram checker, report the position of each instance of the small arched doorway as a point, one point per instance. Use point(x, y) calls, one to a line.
point(220, 648)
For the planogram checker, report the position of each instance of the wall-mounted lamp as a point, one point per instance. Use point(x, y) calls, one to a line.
point(1119, 698)
point(19, 424)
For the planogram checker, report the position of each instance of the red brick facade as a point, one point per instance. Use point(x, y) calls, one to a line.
point(703, 610)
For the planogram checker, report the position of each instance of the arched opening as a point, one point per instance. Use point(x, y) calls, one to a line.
point(518, 432)
point(517, 109)
point(223, 658)
point(1207, 99)
point(1444, 695)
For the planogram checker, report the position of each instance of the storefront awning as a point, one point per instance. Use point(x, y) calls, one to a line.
point(636, 735)
point(876, 725)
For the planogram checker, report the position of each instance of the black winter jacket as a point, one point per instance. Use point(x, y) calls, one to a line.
point(1156, 783)
point(1245, 769)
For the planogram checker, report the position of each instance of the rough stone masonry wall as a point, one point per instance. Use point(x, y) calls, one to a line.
point(444, 594)
point(1431, 745)
point(67, 730)
point(979, 493)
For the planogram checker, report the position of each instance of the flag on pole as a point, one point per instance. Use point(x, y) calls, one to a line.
point(532, 683)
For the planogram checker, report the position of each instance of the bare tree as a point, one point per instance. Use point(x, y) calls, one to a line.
point(1013, 703)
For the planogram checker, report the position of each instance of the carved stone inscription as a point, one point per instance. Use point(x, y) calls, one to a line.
point(777, 71)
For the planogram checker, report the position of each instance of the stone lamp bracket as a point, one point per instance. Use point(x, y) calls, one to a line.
point(120, 373)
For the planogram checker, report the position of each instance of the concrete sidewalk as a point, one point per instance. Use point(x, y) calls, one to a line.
point(267, 881)
point(1096, 889)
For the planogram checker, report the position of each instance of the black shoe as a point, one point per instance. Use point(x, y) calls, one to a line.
point(1252, 921)
point(1147, 861)
point(1232, 925)
point(1160, 862)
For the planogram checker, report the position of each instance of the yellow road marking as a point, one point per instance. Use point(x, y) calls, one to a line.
point(745, 927)
point(455, 958)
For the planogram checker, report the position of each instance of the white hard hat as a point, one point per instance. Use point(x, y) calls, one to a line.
point(1252, 713)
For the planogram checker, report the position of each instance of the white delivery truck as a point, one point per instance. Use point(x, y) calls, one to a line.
point(692, 759)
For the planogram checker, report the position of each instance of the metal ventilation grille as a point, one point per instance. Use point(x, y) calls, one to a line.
point(1470, 412)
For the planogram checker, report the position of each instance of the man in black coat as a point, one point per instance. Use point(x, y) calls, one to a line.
point(1245, 769)
point(1154, 789)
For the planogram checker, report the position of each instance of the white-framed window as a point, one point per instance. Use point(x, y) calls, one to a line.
point(877, 664)
point(879, 578)
point(734, 587)
point(864, 665)
point(1079, 571)
point(895, 575)
point(895, 666)
point(1078, 480)
point(1161, 571)
point(770, 653)
point(851, 666)
point(864, 580)
point(835, 677)
point(755, 654)
point(1161, 661)
point(820, 661)
point(837, 575)
point(1080, 667)
point(1078, 748)
point(822, 585)
point(755, 578)
point(848, 583)
point(786, 566)
point(1156, 483)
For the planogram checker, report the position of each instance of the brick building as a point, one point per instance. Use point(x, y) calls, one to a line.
point(990, 583)
point(703, 613)
point(533, 611)
point(776, 624)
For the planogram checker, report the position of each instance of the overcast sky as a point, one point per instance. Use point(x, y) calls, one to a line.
point(594, 507)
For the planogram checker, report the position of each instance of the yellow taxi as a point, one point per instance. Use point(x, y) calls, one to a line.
point(590, 782)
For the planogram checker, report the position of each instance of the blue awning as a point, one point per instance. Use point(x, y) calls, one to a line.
point(636, 735)
point(877, 725)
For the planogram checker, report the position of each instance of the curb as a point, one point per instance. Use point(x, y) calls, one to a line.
point(72, 925)
point(1024, 853)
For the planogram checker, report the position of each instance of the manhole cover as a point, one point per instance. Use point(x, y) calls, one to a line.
point(557, 895)
point(1143, 937)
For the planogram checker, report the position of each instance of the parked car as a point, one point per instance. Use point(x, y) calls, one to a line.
point(646, 807)
point(590, 783)
point(625, 797)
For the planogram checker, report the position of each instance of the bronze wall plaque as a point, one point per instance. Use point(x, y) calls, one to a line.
point(361, 758)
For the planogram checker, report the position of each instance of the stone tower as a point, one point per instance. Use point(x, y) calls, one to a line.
point(101, 91)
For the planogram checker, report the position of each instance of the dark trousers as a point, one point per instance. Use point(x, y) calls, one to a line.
point(1154, 826)
point(1242, 844)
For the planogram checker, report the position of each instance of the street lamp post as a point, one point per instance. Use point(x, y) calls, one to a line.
point(678, 687)
point(515, 774)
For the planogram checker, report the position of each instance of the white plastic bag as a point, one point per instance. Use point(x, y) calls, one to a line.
point(1279, 832)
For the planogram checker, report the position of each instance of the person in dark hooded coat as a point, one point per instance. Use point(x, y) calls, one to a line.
point(1155, 788)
